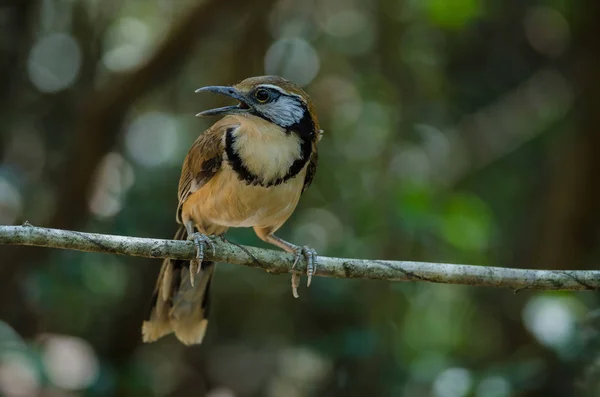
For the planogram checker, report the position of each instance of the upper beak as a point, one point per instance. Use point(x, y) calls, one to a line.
point(230, 92)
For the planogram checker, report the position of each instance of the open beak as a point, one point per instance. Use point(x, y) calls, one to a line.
point(242, 107)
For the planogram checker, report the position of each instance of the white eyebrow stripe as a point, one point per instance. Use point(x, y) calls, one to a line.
point(274, 87)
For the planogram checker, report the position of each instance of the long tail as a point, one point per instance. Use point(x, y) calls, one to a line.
point(176, 305)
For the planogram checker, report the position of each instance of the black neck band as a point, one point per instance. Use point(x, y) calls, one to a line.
point(305, 129)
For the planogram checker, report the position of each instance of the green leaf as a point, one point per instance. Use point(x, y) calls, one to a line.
point(467, 223)
point(452, 13)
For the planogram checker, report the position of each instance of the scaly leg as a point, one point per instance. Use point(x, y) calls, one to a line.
point(299, 251)
point(201, 241)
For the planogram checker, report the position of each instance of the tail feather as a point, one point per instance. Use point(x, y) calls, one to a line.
point(177, 306)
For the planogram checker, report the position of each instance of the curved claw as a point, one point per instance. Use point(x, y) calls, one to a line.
point(295, 284)
point(311, 266)
point(200, 241)
point(194, 269)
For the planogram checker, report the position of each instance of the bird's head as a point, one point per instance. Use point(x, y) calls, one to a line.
point(273, 98)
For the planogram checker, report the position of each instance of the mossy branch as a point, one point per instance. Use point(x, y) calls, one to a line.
point(278, 262)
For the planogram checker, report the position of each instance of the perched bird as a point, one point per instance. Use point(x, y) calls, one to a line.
point(248, 170)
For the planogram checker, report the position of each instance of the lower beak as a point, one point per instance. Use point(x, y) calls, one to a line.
point(242, 107)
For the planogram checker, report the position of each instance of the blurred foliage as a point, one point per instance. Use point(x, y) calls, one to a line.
point(459, 131)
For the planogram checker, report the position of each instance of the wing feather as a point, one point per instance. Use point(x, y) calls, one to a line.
point(311, 169)
point(203, 161)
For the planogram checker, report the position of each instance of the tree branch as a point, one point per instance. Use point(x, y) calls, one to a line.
point(278, 262)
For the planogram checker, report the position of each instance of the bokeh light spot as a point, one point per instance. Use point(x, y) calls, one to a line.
point(340, 97)
point(54, 62)
point(9, 338)
point(303, 365)
point(453, 382)
point(293, 59)
point(318, 229)
point(547, 31)
point(220, 392)
point(10, 202)
point(370, 134)
point(18, 375)
point(70, 362)
point(351, 31)
point(467, 223)
point(115, 177)
point(493, 386)
point(411, 164)
point(425, 367)
point(345, 23)
point(128, 42)
point(551, 319)
point(152, 139)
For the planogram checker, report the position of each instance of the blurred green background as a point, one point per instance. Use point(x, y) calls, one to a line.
point(461, 131)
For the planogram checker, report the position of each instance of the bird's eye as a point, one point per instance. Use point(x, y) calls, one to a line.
point(262, 95)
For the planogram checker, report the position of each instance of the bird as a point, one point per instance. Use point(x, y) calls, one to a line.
point(249, 169)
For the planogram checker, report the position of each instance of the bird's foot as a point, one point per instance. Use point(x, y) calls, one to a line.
point(201, 241)
point(311, 266)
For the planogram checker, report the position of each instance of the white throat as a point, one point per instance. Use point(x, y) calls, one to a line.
point(266, 150)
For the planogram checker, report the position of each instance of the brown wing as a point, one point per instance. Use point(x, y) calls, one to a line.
point(311, 169)
point(203, 161)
